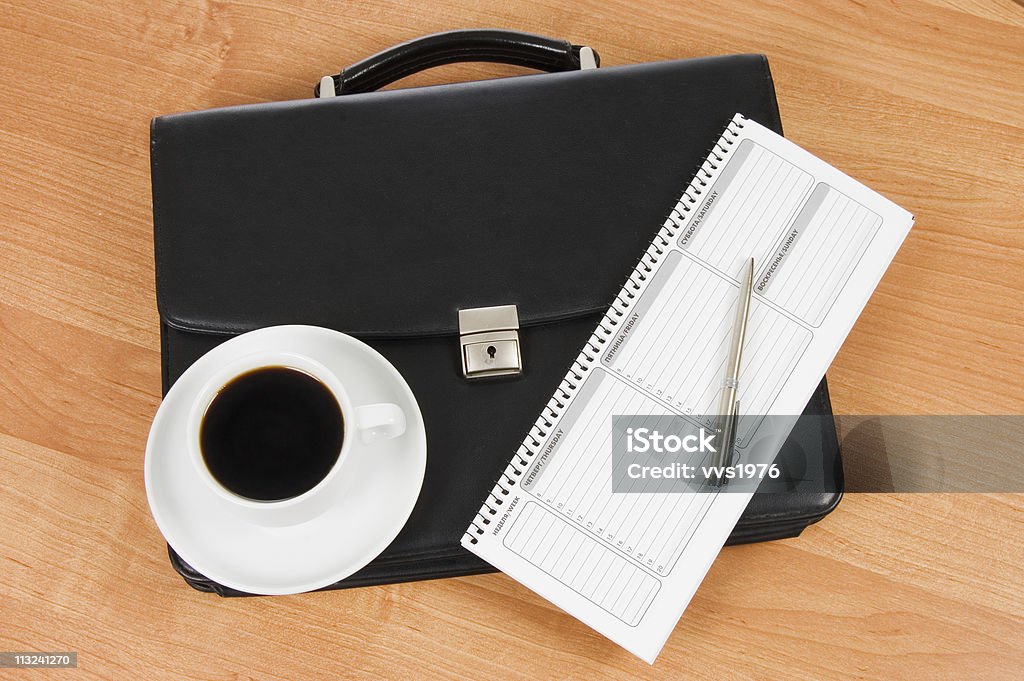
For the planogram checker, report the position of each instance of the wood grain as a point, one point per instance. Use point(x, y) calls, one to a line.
point(921, 100)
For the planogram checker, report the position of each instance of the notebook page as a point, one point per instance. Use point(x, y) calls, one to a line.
point(627, 564)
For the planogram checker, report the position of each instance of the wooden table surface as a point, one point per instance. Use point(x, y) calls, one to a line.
point(921, 99)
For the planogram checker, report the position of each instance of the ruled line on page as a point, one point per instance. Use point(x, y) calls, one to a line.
point(575, 481)
point(823, 245)
point(747, 208)
point(670, 337)
point(590, 569)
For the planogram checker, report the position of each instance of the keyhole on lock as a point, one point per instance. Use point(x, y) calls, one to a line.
point(491, 352)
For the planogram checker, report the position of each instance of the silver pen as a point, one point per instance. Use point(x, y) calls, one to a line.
point(729, 407)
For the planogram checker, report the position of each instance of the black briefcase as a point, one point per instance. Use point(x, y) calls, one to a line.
point(382, 214)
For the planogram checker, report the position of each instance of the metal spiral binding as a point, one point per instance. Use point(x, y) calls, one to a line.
point(676, 219)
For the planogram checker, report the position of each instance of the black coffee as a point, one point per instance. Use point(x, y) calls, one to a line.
point(272, 433)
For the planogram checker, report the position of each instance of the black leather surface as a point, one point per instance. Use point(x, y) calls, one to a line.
point(481, 44)
point(382, 214)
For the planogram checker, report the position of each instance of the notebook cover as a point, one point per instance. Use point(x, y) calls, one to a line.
point(382, 214)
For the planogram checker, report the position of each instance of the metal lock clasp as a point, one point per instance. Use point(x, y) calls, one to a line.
point(489, 339)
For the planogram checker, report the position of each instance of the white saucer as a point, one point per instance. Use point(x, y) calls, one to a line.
point(381, 481)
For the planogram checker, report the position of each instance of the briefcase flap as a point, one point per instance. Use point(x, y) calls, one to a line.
point(382, 214)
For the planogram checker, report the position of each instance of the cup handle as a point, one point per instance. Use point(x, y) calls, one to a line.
point(377, 422)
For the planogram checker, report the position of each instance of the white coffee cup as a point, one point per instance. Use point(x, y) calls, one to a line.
point(363, 426)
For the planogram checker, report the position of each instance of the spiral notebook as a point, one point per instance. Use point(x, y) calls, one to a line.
point(628, 564)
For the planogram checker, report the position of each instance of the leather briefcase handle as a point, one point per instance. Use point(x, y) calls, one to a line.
point(488, 45)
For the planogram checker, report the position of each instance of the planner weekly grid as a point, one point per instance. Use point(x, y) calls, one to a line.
point(627, 564)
